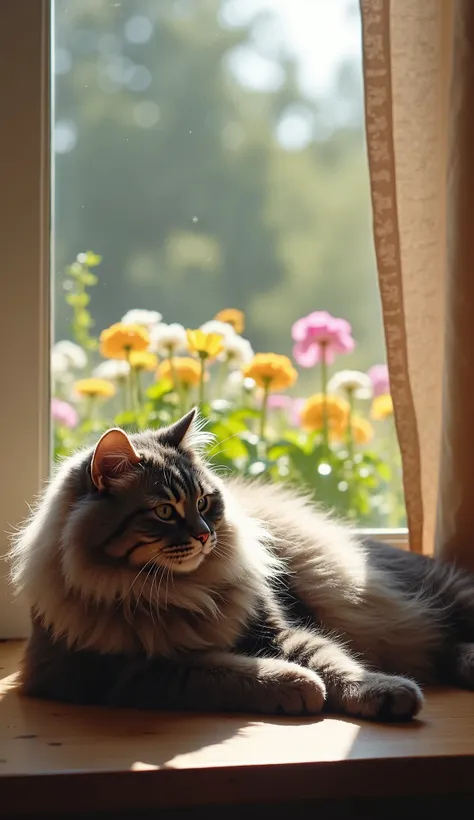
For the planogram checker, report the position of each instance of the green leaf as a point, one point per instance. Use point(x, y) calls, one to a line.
point(74, 270)
point(235, 425)
point(228, 441)
point(89, 279)
point(244, 414)
point(276, 451)
point(251, 442)
point(384, 471)
point(159, 389)
point(296, 437)
point(127, 420)
point(79, 300)
point(83, 319)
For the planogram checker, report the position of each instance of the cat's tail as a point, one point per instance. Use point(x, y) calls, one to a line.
point(460, 585)
point(457, 586)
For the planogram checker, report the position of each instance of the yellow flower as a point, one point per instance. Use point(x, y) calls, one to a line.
point(187, 370)
point(119, 340)
point(95, 388)
point(233, 317)
point(143, 360)
point(206, 345)
point(382, 407)
point(269, 370)
point(337, 411)
point(362, 430)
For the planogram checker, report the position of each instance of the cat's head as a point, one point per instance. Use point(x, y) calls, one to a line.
point(148, 500)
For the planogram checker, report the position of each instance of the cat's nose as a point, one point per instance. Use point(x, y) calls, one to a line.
point(202, 536)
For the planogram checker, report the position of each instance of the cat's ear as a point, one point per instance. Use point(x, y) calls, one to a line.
point(179, 434)
point(113, 457)
point(187, 433)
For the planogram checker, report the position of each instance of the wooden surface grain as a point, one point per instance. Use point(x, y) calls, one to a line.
point(111, 759)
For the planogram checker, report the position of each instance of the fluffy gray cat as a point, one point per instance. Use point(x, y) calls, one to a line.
point(155, 584)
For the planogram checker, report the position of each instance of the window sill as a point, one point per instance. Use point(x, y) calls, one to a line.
point(104, 760)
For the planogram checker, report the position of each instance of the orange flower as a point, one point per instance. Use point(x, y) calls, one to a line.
point(271, 371)
point(187, 370)
point(337, 411)
point(233, 317)
point(119, 340)
point(362, 430)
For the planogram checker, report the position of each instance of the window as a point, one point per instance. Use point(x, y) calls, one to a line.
point(212, 155)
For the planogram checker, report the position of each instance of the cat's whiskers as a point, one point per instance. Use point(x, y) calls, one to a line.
point(150, 600)
point(144, 583)
point(222, 551)
point(218, 443)
point(158, 606)
point(220, 452)
point(220, 469)
point(172, 581)
point(122, 599)
point(166, 587)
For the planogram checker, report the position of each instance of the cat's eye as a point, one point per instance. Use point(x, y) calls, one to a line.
point(203, 503)
point(164, 512)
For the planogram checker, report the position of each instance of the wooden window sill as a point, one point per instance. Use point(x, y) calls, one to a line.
point(107, 760)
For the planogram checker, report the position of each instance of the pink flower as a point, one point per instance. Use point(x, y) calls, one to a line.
point(278, 401)
point(296, 409)
point(317, 331)
point(380, 380)
point(63, 413)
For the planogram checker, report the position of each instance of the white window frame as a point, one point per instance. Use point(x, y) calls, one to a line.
point(25, 273)
point(25, 312)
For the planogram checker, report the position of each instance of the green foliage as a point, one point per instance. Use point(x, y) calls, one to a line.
point(206, 208)
point(78, 278)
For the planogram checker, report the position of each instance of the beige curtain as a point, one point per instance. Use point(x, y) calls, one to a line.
point(419, 96)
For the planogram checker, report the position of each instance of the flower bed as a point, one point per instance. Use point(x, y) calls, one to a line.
point(338, 444)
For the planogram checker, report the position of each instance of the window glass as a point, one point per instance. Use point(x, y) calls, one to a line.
point(210, 156)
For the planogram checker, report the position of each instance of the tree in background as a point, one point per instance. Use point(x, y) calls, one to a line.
point(179, 177)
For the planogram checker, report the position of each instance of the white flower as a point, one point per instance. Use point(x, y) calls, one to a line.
point(351, 381)
point(74, 355)
point(113, 370)
point(221, 405)
point(168, 339)
point(235, 382)
point(222, 329)
point(237, 351)
point(59, 366)
point(146, 318)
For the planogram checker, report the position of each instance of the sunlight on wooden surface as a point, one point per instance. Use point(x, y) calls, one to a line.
point(327, 756)
point(38, 736)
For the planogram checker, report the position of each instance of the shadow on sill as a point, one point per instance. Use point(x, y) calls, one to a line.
point(80, 761)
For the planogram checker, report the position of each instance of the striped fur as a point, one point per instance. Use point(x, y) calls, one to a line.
point(240, 597)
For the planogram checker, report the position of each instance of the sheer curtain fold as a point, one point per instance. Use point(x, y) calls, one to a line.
point(455, 531)
point(419, 87)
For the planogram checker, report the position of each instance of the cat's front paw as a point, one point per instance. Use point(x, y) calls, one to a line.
point(302, 693)
point(382, 697)
point(295, 691)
